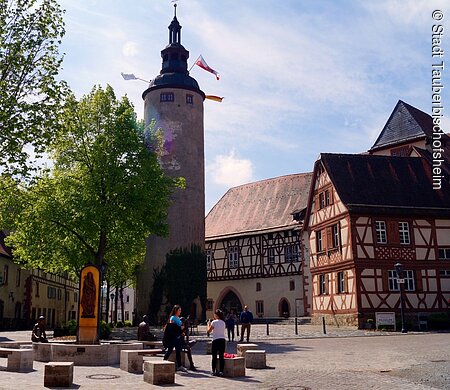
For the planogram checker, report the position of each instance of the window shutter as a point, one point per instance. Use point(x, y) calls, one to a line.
point(329, 239)
point(346, 281)
point(418, 277)
point(327, 283)
point(318, 285)
point(392, 233)
point(385, 280)
point(316, 203)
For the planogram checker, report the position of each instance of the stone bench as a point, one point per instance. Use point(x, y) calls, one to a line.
point(152, 344)
point(184, 358)
point(16, 344)
point(20, 360)
point(241, 348)
point(58, 374)
point(234, 367)
point(131, 359)
point(159, 372)
point(255, 359)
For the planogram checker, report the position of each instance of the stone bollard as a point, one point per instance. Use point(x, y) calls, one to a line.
point(255, 359)
point(159, 373)
point(241, 348)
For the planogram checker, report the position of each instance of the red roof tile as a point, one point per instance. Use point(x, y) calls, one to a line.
point(260, 206)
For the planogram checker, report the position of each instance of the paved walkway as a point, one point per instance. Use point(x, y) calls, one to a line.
point(311, 360)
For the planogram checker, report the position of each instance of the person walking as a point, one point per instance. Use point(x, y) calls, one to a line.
point(246, 319)
point(172, 337)
point(217, 328)
point(230, 322)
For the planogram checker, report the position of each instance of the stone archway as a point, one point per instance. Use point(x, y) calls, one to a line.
point(230, 301)
point(284, 308)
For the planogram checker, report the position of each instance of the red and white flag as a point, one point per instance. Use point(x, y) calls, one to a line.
point(202, 64)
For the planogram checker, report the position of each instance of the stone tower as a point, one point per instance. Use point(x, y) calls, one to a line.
point(174, 100)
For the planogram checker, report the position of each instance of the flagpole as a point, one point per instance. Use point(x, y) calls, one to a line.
point(194, 63)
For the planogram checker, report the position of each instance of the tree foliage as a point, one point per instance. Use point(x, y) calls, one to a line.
point(105, 194)
point(185, 272)
point(30, 94)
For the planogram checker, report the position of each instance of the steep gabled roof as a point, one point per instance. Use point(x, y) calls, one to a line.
point(405, 124)
point(386, 184)
point(261, 206)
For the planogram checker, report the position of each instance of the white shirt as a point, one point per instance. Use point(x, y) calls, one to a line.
point(219, 329)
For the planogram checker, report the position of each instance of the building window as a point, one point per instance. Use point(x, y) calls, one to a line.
point(75, 297)
point(67, 296)
point(37, 289)
point(340, 282)
point(291, 253)
point(291, 285)
point(322, 284)
point(127, 316)
point(128, 299)
point(445, 273)
point(59, 294)
point(271, 255)
point(51, 292)
point(408, 277)
point(5, 274)
point(209, 304)
point(321, 200)
point(403, 230)
point(166, 97)
point(335, 236)
point(209, 254)
point(380, 228)
point(444, 253)
point(319, 246)
point(258, 286)
point(233, 257)
point(260, 308)
point(327, 198)
point(189, 99)
point(18, 277)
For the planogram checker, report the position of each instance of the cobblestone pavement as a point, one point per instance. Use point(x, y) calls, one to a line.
point(344, 358)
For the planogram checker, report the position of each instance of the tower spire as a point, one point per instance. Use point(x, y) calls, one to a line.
point(175, 10)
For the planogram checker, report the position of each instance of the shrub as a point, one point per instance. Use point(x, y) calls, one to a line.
point(105, 330)
point(128, 323)
point(71, 327)
point(119, 324)
point(438, 321)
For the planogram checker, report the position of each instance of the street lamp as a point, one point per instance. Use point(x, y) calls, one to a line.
point(112, 306)
point(401, 283)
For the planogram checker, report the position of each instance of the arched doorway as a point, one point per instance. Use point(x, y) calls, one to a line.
point(284, 308)
point(230, 301)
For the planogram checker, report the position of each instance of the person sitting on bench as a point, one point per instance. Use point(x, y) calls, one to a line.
point(38, 334)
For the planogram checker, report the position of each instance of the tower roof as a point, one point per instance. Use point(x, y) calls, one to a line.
point(174, 71)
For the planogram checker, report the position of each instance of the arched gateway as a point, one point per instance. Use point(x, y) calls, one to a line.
point(230, 301)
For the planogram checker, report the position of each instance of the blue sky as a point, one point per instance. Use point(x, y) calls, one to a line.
point(299, 77)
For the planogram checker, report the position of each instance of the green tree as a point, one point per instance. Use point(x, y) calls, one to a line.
point(185, 273)
point(30, 94)
point(105, 194)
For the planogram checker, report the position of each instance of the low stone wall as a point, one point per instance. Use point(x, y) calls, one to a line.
point(335, 320)
point(81, 354)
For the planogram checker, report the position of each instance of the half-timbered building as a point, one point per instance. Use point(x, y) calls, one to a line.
point(365, 214)
point(255, 255)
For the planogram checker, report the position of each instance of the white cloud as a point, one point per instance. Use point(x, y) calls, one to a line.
point(230, 171)
point(130, 49)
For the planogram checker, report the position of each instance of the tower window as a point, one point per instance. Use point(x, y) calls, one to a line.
point(167, 97)
point(189, 99)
